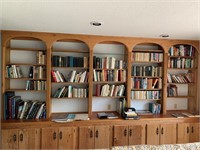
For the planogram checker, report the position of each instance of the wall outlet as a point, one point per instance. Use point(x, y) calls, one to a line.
point(175, 106)
point(108, 106)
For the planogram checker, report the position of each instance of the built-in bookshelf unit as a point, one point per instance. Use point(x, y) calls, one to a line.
point(147, 78)
point(109, 75)
point(71, 73)
point(181, 77)
point(25, 79)
point(69, 76)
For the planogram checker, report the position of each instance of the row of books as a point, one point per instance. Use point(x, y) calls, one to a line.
point(180, 78)
point(37, 72)
point(35, 85)
point(108, 63)
point(41, 57)
point(146, 83)
point(147, 57)
point(153, 71)
point(155, 108)
point(181, 50)
point(172, 90)
point(69, 61)
point(110, 90)
point(73, 76)
point(183, 63)
point(13, 71)
point(71, 92)
point(109, 75)
point(16, 108)
point(155, 95)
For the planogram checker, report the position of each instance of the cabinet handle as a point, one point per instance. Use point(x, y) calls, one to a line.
point(54, 135)
point(187, 129)
point(60, 134)
point(192, 129)
point(162, 131)
point(14, 138)
point(157, 131)
point(97, 133)
point(125, 132)
point(21, 137)
point(91, 134)
point(130, 134)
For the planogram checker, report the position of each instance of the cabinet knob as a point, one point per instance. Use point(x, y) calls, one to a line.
point(91, 134)
point(14, 138)
point(21, 137)
point(187, 129)
point(157, 131)
point(162, 130)
point(130, 132)
point(97, 133)
point(125, 132)
point(192, 129)
point(54, 135)
point(60, 134)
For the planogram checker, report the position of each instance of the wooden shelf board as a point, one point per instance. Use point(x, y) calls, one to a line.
point(24, 64)
point(69, 98)
point(146, 77)
point(73, 51)
point(22, 90)
point(146, 89)
point(69, 68)
point(148, 51)
point(74, 83)
point(106, 69)
point(180, 97)
point(26, 49)
point(109, 82)
point(25, 79)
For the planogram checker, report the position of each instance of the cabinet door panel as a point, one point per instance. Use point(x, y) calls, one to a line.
point(102, 137)
point(86, 137)
point(183, 133)
point(9, 139)
point(194, 132)
point(153, 134)
point(120, 135)
point(168, 134)
point(67, 138)
point(136, 136)
point(49, 138)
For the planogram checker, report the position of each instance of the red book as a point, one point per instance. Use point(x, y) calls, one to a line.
point(98, 90)
point(53, 76)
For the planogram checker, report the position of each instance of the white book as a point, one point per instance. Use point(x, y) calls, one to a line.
point(39, 111)
point(23, 110)
point(82, 78)
point(94, 75)
point(73, 76)
point(59, 76)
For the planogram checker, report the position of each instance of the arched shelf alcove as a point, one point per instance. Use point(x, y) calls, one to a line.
point(182, 79)
point(70, 76)
point(147, 78)
point(24, 75)
point(110, 59)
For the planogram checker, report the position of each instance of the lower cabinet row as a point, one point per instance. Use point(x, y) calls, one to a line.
point(90, 137)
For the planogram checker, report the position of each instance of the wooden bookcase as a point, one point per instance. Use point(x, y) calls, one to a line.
point(54, 44)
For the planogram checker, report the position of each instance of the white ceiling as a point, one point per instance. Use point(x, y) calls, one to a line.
point(137, 18)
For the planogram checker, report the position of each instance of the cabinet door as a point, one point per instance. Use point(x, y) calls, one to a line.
point(136, 135)
point(168, 134)
point(29, 139)
point(49, 139)
point(9, 139)
point(120, 135)
point(102, 137)
point(183, 133)
point(67, 138)
point(194, 132)
point(86, 137)
point(153, 134)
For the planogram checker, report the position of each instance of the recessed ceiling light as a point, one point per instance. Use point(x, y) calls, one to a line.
point(96, 23)
point(164, 35)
